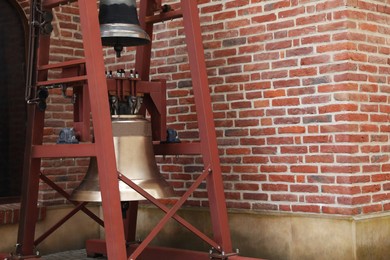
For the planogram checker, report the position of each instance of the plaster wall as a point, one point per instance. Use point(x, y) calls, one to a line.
point(283, 236)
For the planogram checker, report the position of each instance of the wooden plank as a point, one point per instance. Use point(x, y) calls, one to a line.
point(47, 4)
point(59, 65)
point(63, 150)
point(62, 81)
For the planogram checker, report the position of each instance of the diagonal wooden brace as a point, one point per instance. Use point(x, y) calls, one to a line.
point(170, 213)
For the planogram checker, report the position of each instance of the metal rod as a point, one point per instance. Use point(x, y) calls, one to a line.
point(33, 41)
point(161, 17)
point(31, 166)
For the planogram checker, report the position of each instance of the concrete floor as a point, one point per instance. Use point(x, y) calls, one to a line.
point(75, 254)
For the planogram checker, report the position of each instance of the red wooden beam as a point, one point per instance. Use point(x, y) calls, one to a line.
point(63, 150)
point(54, 3)
point(206, 124)
point(101, 118)
point(154, 252)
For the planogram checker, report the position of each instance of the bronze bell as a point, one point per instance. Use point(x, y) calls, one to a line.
point(134, 158)
point(119, 24)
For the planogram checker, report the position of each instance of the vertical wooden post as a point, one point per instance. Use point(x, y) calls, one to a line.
point(32, 166)
point(206, 123)
point(101, 118)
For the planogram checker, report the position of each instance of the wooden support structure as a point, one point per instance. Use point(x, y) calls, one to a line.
point(87, 77)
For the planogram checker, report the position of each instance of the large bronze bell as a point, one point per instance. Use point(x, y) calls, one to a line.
point(119, 24)
point(134, 158)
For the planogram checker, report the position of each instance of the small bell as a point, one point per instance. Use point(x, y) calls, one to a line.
point(119, 25)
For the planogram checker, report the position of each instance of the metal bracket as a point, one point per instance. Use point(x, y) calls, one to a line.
point(15, 255)
point(215, 254)
point(40, 100)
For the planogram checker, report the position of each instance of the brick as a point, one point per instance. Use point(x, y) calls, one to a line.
point(291, 12)
point(319, 158)
point(280, 25)
point(304, 188)
point(278, 45)
point(371, 188)
point(235, 204)
point(284, 197)
point(303, 72)
point(246, 186)
point(320, 179)
point(316, 119)
point(340, 210)
point(380, 197)
point(264, 18)
point(280, 177)
point(352, 159)
point(286, 83)
point(255, 196)
point(292, 130)
point(274, 187)
point(287, 121)
point(264, 206)
point(301, 111)
point(260, 38)
point(320, 199)
point(354, 200)
point(280, 140)
point(306, 208)
point(264, 150)
point(334, 189)
point(285, 102)
point(372, 208)
point(289, 159)
point(339, 149)
point(304, 169)
point(274, 93)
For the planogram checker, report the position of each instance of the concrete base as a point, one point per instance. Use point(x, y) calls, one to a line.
point(72, 235)
point(283, 236)
point(258, 235)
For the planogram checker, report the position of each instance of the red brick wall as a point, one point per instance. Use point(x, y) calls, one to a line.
point(300, 94)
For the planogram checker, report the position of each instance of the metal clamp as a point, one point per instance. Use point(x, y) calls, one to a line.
point(15, 255)
point(215, 254)
point(43, 94)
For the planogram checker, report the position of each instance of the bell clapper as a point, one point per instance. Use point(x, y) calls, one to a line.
point(118, 49)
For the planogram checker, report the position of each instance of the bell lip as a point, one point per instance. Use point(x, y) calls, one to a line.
point(115, 117)
point(165, 191)
point(125, 31)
